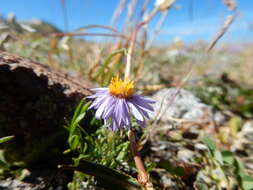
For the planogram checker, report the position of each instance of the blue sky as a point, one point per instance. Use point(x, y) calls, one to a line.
point(201, 23)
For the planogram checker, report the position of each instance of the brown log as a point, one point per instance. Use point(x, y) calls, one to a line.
point(36, 101)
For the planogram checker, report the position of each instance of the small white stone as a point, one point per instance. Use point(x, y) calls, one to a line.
point(200, 146)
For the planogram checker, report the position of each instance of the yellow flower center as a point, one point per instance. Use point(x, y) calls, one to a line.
point(121, 88)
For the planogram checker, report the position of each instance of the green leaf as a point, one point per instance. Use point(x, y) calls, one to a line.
point(78, 115)
point(101, 72)
point(3, 162)
point(122, 150)
point(179, 171)
point(73, 142)
point(247, 182)
point(67, 151)
point(235, 124)
point(210, 143)
point(239, 166)
point(218, 157)
point(228, 157)
point(115, 68)
point(150, 166)
point(201, 186)
point(77, 110)
point(74, 133)
point(5, 139)
point(107, 178)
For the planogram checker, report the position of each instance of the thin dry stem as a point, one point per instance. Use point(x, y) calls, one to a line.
point(160, 113)
point(157, 28)
point(177, 92)
point(144, 7)
point(222, 31)
point(118, 11)
point(97, 26)
point(114, 35)
point(133, 41)
point(131, 7)
point(129, 55)
point(65, 15)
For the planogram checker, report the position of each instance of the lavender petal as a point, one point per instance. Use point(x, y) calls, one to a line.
point(98, 101)
point(101, 108)
point(144, 98)
point(142, 102)
point(137, 114)
point(109, 108)
point(97, 90)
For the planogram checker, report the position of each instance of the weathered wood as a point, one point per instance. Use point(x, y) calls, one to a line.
point(35, 103)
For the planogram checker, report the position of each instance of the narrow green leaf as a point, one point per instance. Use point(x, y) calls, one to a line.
point(100, 71)
point(239, 165)
point(78, 115)
point(115, 68)
point(75, 123)
point(150, 166)
point(3, 162)
point(67, 151)
point(73, 142)
point(5, 139)
point(107, 178)
point(210, 143)
point(247, 182)
point(218, 157)
point(175, 170)
point(228, 157)
point(202, 186)
point(77, 110)
point(124, 151)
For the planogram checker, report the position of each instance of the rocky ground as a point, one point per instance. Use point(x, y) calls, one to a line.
point(175, 145)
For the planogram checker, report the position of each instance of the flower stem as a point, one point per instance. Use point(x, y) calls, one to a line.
point(143, 176)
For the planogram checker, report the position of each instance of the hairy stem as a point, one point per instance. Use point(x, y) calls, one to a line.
point(143, 176)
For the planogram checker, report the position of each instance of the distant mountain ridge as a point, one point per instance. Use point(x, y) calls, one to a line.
point(33, 25)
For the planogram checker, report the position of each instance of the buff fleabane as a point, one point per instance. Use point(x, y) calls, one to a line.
point(117, 103)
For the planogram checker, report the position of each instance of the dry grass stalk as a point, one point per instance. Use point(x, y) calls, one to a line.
point(118, 11)
point(160, 113)
point(133, 41)
point(222, 31)
point(65, 15)
point(112, 29)
point(130, 13)
point(113, 35)
point(157, 28)
point(144, 8)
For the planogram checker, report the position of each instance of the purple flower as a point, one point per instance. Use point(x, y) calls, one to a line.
point(116, 103)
